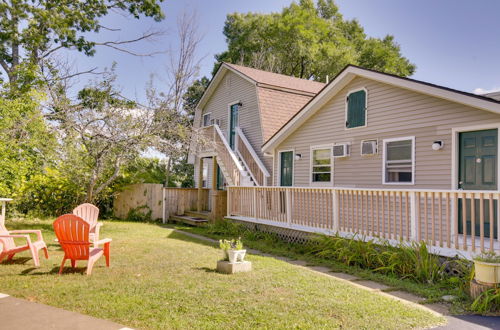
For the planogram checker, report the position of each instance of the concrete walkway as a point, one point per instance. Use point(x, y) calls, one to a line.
point(455, 322)
point(20, 314)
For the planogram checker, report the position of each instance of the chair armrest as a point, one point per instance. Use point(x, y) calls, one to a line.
point(103, 241)
point(34, 231)
point(27, 237)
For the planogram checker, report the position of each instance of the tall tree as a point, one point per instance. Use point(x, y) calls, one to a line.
point(32, 31)
point(308, 41)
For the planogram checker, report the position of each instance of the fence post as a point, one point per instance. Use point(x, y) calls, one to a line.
point(163, 206)
point(413, 216)
point(336, 211)
point(229, 200)
point(288, 207)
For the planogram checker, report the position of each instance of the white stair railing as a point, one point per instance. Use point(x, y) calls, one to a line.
point(250, 158)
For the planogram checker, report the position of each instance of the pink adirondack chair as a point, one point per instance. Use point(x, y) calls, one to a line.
point(9, 247)
point(90, 213)
point(73, 233)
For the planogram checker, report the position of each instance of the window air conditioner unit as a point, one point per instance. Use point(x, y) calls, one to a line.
point(215, 122)
point(369, 147)
point(341, 150)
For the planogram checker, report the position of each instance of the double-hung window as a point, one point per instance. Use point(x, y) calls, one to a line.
point(399, 160)
point(321, 158)
point(206, 119)
point(356, 109)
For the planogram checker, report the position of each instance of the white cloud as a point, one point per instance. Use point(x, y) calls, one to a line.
point(480, 91)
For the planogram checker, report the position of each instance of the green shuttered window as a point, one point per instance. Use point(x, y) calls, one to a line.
point(356, 109)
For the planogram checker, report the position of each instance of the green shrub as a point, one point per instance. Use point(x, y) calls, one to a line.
point(140, 214)
point(487, 302)
point(49, 193)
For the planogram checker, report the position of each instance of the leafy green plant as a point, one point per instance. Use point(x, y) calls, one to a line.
point(487, 302)
point(140, 214)
point(234, 244)
point(489, 257)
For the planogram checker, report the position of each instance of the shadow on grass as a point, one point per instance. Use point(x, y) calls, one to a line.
point(16, 261)
point(186, 238)
point(55, 271)
point(206, 269)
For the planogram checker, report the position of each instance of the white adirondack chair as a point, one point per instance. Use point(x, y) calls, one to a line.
point(90, 213)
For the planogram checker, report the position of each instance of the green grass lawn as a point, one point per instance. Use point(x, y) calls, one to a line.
point(162, 279)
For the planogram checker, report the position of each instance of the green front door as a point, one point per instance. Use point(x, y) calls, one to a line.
point(478, 171)
point(286, 168)
point(233, 123)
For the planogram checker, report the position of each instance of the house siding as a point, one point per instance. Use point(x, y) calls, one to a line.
point(232, 89)
point(392, 112)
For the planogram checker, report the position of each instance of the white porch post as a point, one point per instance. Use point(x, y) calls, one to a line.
point(288, 196)
point(413, 216)
point(336, 211)
point(254, 202)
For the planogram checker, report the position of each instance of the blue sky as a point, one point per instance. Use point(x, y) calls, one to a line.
point(453, 43)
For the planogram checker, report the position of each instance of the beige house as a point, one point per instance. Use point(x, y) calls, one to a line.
point(370, 155)
point(248, 106)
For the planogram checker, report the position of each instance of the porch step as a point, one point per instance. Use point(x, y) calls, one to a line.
point(193, 221)
point(195, 214)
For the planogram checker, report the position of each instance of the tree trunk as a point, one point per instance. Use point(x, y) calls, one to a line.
point(167, 171)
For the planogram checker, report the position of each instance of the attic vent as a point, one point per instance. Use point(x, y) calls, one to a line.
point(368, 147)
point(228, 82)
point(341, 150)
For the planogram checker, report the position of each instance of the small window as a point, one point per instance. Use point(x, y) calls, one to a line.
point(321, 165)
point(399, 160)
point(206, 119)
point(356, 109)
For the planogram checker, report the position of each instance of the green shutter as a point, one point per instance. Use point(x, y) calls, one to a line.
point(356, 109)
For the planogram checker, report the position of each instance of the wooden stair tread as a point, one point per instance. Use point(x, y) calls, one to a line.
point(188, 219)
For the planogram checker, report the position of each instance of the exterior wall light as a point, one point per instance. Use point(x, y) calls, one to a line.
point(298, 156)
point(437, 145)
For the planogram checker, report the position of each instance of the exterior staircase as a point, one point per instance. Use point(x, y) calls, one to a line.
point(241, 166)
point(192, 218)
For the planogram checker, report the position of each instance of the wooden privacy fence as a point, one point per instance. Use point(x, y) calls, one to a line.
point(449, 221)
point(179, 200)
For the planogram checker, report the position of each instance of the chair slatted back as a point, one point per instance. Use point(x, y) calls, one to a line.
point(73, 235)
point(87, 212)
point(8, 242)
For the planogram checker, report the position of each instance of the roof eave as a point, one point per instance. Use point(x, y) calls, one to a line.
point(346, 75)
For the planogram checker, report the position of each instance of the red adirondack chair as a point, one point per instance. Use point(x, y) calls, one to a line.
point(90, 213)
point(9, 248)
point(73, 233)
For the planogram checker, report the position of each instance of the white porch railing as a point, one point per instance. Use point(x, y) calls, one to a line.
point(446, 220)
point(250, 158)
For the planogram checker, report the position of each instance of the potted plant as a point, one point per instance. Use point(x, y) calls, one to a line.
point(487, 268)
point(233, 250)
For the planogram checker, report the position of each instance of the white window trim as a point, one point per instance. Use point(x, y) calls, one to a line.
point(347, 107)
point(361, 148)
point(278, 183)
point(203, 119)
point(229, 119)
point(320, 183)
point(384, 154)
